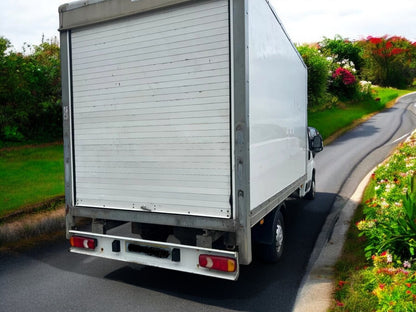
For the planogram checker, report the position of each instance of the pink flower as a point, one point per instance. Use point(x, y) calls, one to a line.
point(347, 77)
point(407, 264)
point(339, 303)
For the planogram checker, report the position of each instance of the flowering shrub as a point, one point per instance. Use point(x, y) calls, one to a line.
point(344, 75)
point(395, 288)
point(385, 47)
point(391, 214)
point(390, 61)
point(365, 87)
point(342, 50)
point(381, 287)
point(388, 230)
point(344, 83)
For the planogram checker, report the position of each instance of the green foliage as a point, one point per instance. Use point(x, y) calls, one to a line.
point(388, 281)
point(318, 68)
point(4, 45)
point(342, 50)
point(331, 120)
point(389, 61)
point(390, 215)
point(30, 93)
point(380, 287)
point(346, 62)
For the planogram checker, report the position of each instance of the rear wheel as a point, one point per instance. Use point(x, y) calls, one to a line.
point(273, 252)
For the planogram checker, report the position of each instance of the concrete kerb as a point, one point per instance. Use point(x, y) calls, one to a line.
point(316, 291)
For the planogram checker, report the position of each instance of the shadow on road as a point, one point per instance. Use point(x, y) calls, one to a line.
point(261, 286)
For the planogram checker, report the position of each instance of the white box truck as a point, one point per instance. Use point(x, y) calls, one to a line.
point(185, 122)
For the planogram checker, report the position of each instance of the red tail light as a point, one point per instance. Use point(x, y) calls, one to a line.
point(83, 242)
point(218, 263)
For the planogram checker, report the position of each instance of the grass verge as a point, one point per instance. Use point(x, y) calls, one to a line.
point(29, 176)
point(375, 271)
point(343, 117)
point(34, 227)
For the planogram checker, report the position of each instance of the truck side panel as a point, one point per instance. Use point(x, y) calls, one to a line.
point(278, 104)
point(151, 112)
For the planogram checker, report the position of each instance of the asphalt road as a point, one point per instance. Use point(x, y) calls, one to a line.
point(49, 278)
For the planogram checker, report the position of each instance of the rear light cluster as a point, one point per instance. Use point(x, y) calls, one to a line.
point(218, 263)
point(83, 242)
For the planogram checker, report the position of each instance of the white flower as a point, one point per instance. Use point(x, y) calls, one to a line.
point(384, 203)
point(389, 187)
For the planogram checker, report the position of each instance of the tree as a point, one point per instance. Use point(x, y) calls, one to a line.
point(30, 93)
point(390, 61)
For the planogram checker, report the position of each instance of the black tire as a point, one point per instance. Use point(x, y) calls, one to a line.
point(312, 192)
point(273, 252)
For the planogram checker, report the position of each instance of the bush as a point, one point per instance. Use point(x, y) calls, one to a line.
point(390, 215)
point(381, 287)
point(390, 61)
point(30, 93)
point(387, 282)
point(343, 84)
point(318, 68)
point(342, 50)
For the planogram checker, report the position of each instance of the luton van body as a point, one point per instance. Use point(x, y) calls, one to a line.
point(185, 130)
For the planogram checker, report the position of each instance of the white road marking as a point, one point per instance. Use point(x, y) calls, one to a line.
point(402, 137)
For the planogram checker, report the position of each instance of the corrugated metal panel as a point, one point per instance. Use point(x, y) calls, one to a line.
point(151, 112)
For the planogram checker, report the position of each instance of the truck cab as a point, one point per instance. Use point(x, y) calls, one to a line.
point(315, 145)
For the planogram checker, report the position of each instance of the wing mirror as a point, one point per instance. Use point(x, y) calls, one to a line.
point(315, 140)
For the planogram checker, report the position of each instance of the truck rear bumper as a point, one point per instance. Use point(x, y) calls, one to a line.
point(153, 253)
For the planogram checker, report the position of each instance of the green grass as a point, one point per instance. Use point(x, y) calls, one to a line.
point(30, 175)
point(331, 120)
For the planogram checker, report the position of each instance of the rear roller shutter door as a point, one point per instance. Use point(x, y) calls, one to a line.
point(151, 111)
